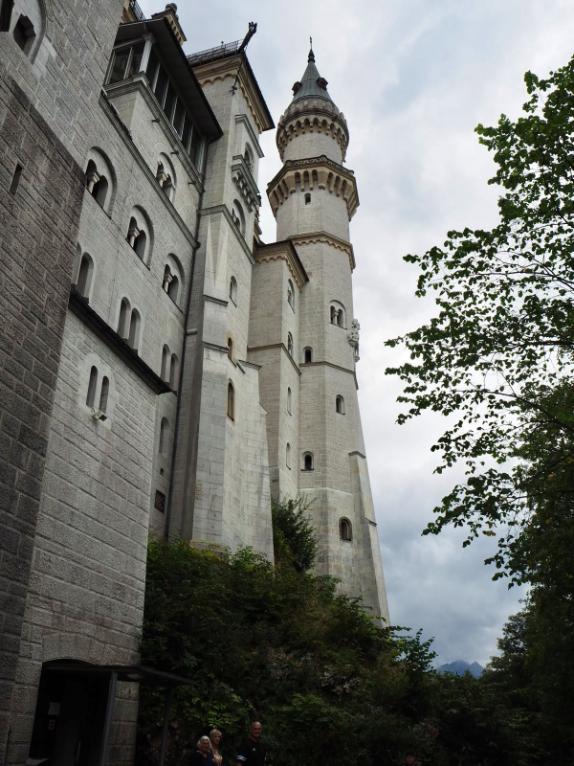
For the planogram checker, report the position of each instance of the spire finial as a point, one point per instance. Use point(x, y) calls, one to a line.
point(311, 57)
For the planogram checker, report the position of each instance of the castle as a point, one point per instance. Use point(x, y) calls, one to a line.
point(163, 370)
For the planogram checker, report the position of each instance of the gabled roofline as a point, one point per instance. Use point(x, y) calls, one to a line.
point(218, 62)
point(263, 252)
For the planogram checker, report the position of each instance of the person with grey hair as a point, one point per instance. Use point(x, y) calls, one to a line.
point(202, 755)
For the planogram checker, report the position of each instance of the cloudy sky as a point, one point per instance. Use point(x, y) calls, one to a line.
point(413, 78)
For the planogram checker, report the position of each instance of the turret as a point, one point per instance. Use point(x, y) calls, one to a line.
point(313, 191)
point(312, 125)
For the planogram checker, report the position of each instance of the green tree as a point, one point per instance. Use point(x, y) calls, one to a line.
point(497, 356)
point(293, 538)
point(283, 645)
point(497, 360)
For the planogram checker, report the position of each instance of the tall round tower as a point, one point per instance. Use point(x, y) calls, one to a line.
point(313, 197)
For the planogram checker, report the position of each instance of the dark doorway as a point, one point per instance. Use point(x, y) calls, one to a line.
point(70, 716)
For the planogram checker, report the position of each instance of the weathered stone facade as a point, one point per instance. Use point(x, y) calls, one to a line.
point(161, 369)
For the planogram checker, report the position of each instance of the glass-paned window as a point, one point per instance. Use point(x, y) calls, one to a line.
point(187, 130)
point(161, 85)
point(119, 64)
point(179, 117)
point(196, 149)
point(136, 59)
point(169, 102)
point(152, 66)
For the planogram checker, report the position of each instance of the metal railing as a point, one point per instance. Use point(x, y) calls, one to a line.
point(225, 49)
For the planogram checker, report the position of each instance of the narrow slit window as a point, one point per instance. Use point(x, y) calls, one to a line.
point(16, 178)
point(92, 386)
point(230, 401)
point(104, 393)
point(308, 355)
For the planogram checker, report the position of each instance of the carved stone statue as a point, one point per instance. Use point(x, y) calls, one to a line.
point(353, 338)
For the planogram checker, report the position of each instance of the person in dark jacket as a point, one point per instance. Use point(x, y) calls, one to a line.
point(252, 751)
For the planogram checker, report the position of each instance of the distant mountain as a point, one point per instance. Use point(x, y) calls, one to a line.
point(460, 667)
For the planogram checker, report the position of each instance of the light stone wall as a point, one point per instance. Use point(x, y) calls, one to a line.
point(272, 319)
point(86, 593)
point(312, 144)
point(139, 111)
point(338, 486)
point(327, 212)
point(221, 492)
point(64, 76)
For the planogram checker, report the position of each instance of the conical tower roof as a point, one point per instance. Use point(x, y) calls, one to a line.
point(312, 108)
point(311, 85)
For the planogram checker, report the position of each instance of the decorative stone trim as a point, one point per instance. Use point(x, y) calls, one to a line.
point(243, 179)
point(313, 173)
point(298, 125)
point(283, 251)
point(233, 68)
point(321, 237)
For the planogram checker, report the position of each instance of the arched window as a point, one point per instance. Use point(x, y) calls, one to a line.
point(84, 280)
point(173, 371)
point(238, 216)
point(233, 290)
point(337, 314)
point(308, 463)
point(104, 394)
point(163, 436)
point(100, 178)
point(137, 238)
point(288, 456)
point(124, 320)
point(165, 362)
point(290, 343)
point(345, 529)
point(308, 354)
point(92, 386)
point(230, 401)
point(291, 294)
point(134, 332)
point(289, 401)
point(139, 235)
point(172, 282)
point(340, 404)
point(165, 176)
point(307, 198)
